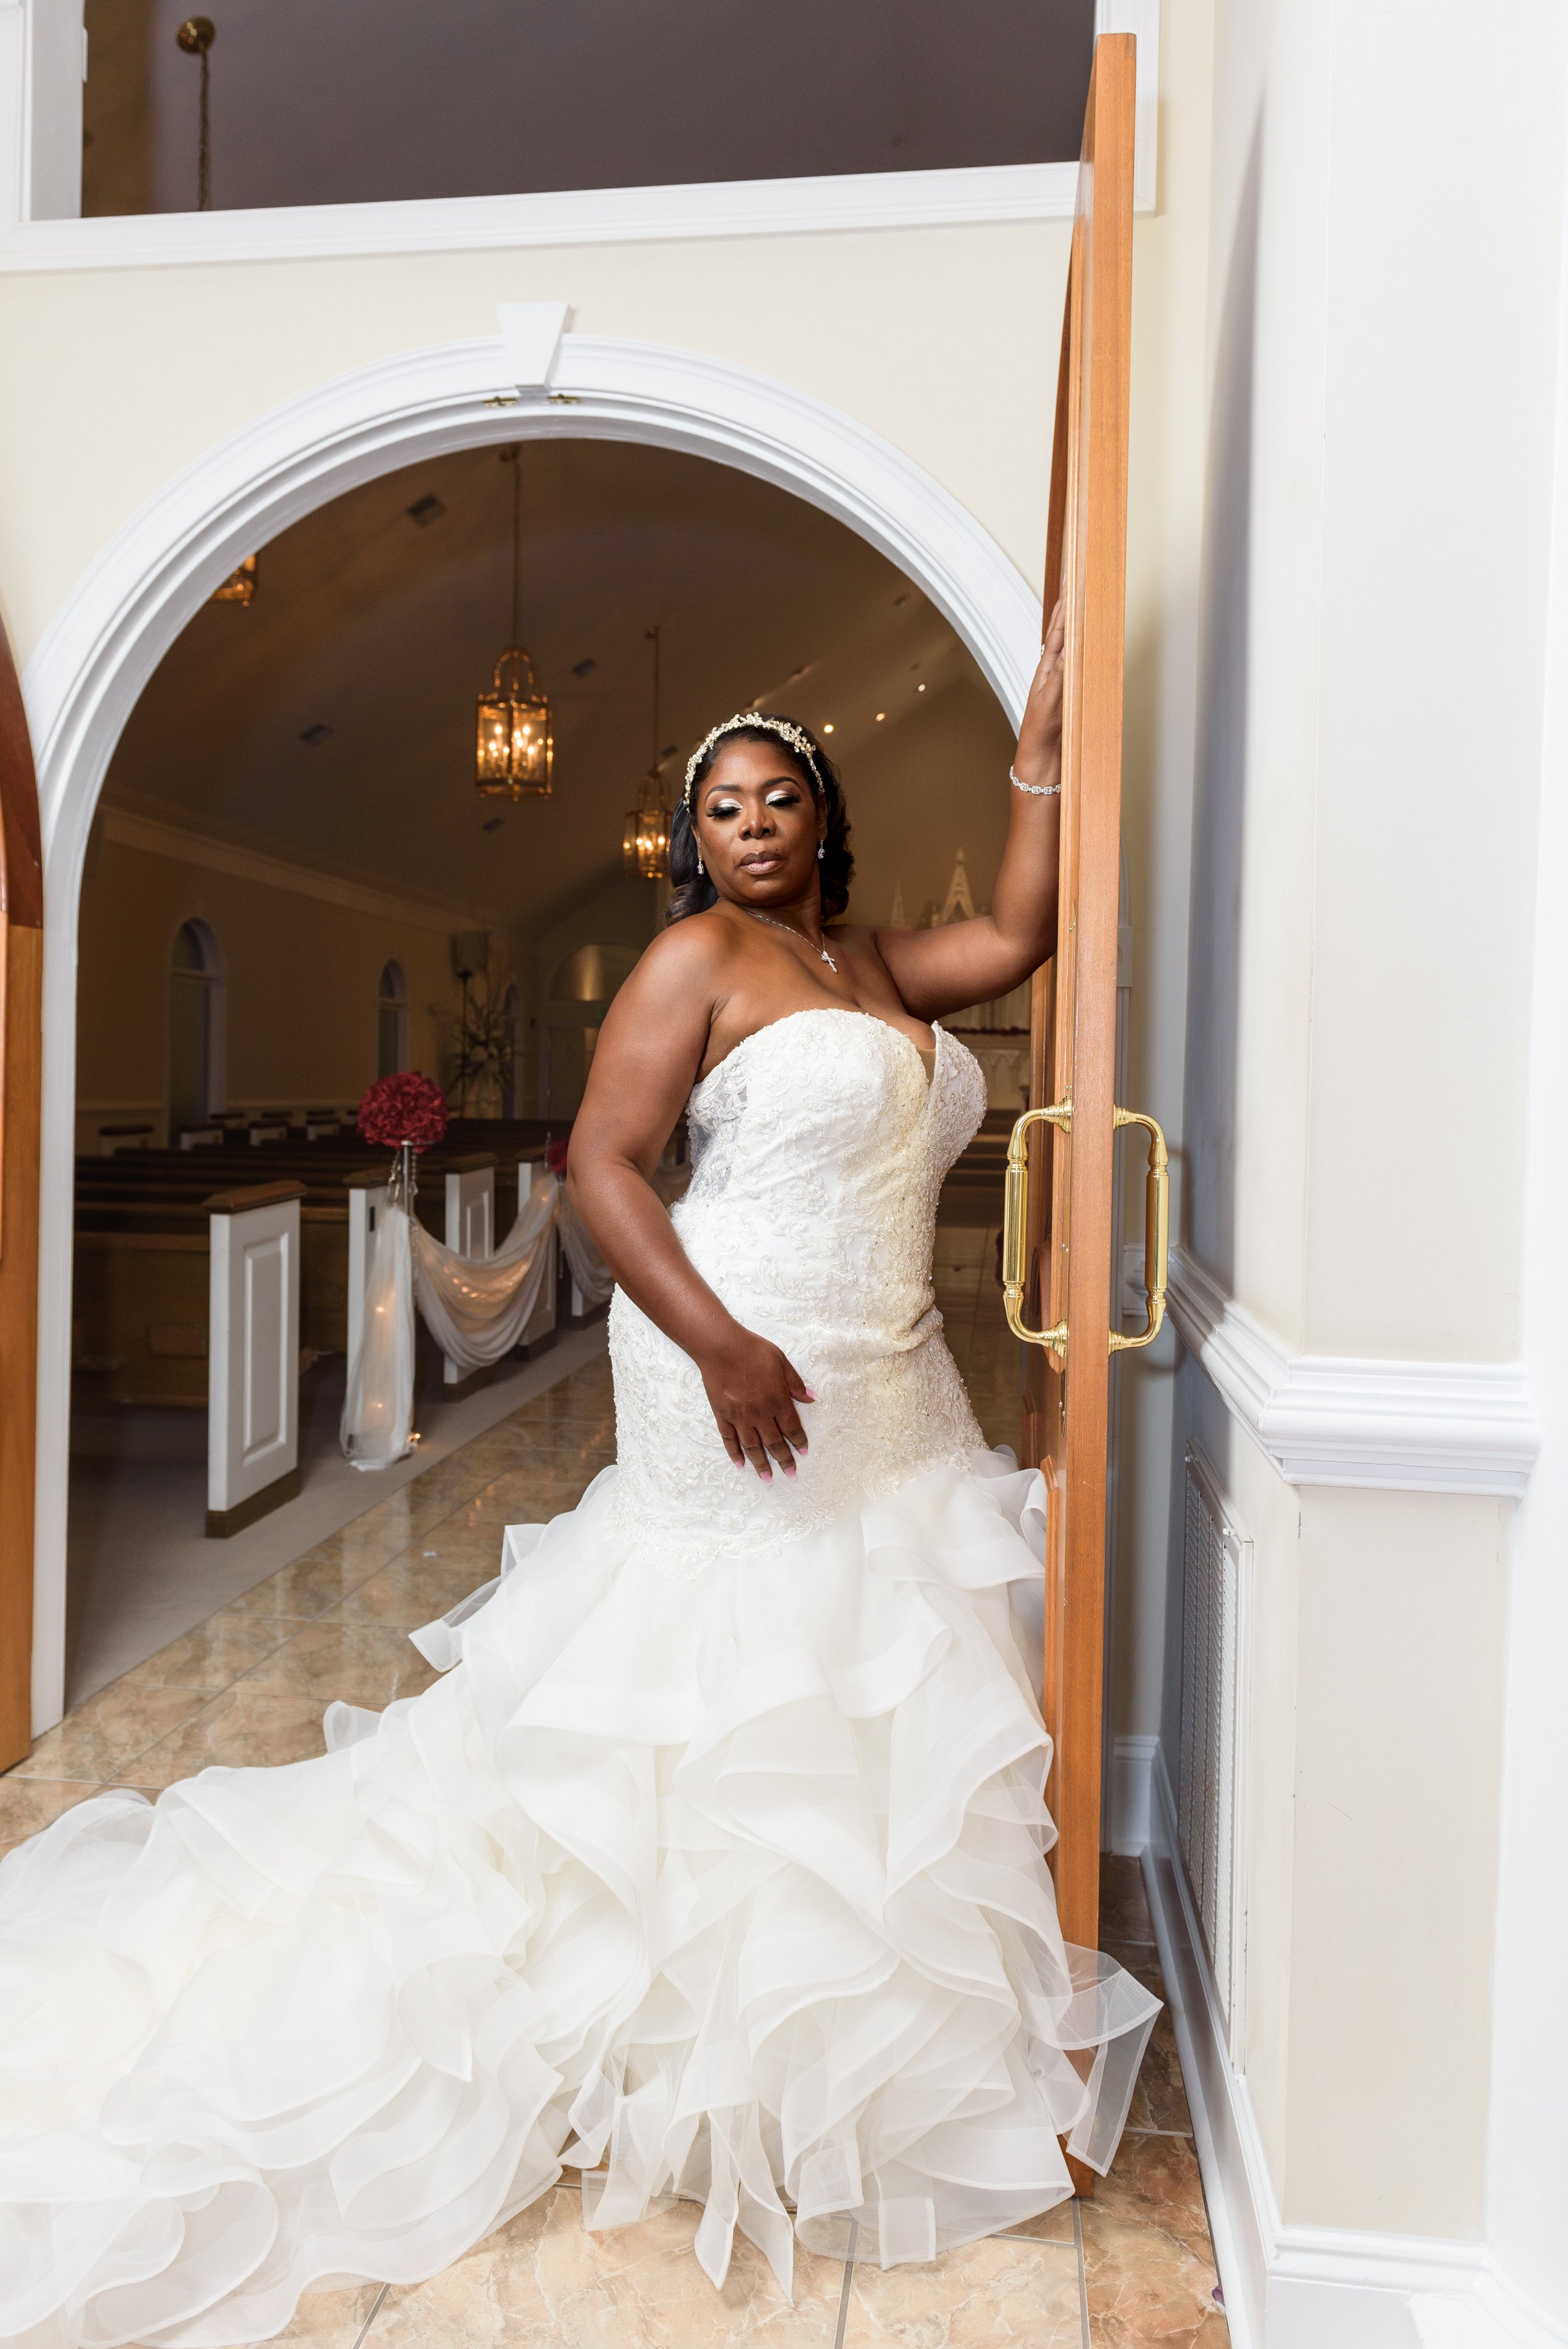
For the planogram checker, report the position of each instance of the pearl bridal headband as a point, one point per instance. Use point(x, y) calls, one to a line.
point(784, 727)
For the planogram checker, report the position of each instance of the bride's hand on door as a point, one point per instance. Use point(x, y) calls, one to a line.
point(1039, 757)
point(753, 1390)
point(938, 972)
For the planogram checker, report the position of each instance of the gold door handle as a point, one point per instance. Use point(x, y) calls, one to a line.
point(1015, 1225)
point(1156, 1232)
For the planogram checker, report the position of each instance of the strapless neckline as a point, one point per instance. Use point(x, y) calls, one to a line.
point(928, 1055)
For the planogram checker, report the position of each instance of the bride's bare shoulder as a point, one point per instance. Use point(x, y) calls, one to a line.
point(692, 960)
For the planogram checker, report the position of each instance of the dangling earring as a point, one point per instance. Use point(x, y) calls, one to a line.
point(822, 851)
point(699, 864)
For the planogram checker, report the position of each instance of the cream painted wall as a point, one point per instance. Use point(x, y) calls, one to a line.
point(1372, 1788)
point(1395, 1830)
point(1375, 539)
point(1438, 396)
point(1380, 353)
point(944, 340)
point(299, 988)
point(1528, 2148)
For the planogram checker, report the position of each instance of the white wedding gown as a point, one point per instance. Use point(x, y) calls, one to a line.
point(717, 1851)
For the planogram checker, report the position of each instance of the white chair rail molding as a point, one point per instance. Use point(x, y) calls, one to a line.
point(1351, 1420)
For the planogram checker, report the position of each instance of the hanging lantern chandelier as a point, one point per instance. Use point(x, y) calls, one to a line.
point(514, 749)
point(645, 842)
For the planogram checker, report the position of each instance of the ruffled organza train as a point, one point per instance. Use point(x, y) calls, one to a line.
point(727, 1887)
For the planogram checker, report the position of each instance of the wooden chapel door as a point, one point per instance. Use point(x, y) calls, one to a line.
point(21, 1055)
point(1061, 1269)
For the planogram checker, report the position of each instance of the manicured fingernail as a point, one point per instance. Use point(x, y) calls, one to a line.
point(788, 1472)
point(810, 1396)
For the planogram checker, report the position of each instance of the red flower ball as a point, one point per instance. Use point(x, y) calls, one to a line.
point(406, 1108)
point(555, 1158)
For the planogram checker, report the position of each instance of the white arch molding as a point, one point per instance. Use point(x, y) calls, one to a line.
point(127, 609)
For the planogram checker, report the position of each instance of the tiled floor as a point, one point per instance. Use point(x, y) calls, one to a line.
point(1132, 2267)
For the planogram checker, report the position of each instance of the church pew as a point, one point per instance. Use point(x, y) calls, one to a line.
point(202, 1312)
point(131, 1279)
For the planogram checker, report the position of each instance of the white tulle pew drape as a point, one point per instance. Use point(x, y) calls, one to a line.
point(476, 1309)
point(378, 1406)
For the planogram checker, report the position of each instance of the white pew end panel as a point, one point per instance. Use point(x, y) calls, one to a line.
point(252, 1361)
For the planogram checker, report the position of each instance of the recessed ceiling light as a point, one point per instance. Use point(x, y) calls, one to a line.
point(424, 511)
point(829, 728)
point(316, 735)
point(880, 715)
point(920, 688)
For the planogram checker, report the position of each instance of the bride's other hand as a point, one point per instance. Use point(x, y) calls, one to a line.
point(753, 1390)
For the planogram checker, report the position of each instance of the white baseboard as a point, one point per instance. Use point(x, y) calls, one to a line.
point(1493, 2319)
point(1292, 2287)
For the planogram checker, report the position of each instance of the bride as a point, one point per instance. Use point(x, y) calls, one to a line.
point(713, 1865)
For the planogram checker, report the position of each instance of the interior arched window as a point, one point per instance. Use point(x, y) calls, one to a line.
point(195, 1028)
point(391, 1021)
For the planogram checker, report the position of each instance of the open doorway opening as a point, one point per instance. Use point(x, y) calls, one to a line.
point(331, 834)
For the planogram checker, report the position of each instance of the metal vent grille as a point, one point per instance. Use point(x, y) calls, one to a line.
point(1216, 1586)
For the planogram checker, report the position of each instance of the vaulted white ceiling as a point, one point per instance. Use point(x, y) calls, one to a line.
point(380, 617)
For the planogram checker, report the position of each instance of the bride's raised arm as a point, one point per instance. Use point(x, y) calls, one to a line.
point(646, 1063)
point(943, 970)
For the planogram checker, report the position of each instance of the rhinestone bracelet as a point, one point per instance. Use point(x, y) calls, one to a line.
point(1036, 790)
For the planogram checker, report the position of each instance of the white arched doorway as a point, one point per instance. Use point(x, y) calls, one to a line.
point(114, 627)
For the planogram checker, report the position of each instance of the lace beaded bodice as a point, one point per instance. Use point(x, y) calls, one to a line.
point(819, 1151)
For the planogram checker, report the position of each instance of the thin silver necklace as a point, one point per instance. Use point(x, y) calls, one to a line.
point(790, 932)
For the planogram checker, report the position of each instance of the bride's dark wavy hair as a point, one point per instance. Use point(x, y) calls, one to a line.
point(693, 893)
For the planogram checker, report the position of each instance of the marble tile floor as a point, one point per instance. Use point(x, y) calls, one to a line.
point(141, 1569)
point(250, 1684)
point(1131, 2269)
